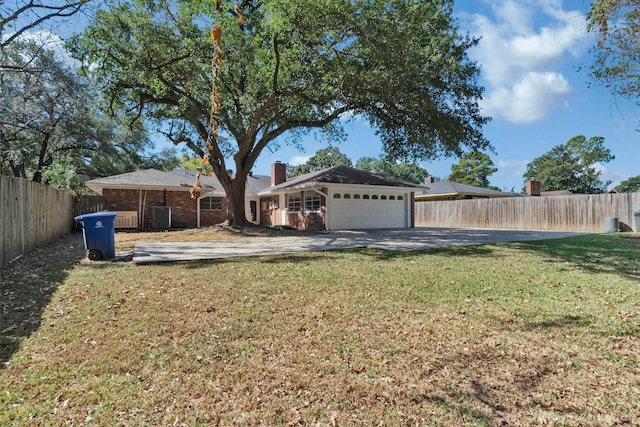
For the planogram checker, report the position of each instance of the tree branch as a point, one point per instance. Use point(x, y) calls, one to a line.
point(64, 11)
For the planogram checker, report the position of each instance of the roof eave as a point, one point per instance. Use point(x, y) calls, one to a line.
point(316, 184)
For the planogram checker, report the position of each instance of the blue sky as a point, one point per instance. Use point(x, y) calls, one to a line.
point(530, 53)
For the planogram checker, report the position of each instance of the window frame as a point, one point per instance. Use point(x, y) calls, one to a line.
point(209, 202)
point(311, 200)
point(291, 202)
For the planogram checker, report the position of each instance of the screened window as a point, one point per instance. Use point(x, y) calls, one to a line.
point(311, 202)
point(293, 202)
point(210, 203)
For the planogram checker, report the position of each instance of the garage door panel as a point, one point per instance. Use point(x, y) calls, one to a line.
point(362, 214)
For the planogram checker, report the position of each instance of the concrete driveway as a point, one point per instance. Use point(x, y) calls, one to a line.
point(414, 239)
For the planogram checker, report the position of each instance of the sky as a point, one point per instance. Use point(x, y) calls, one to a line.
point(531, 54)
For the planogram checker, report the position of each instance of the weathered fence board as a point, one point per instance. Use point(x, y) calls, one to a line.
point(31, 214)
point(567, 213)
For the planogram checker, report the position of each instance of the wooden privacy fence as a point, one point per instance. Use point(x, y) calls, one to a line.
point(31, 214)
point(586, 213)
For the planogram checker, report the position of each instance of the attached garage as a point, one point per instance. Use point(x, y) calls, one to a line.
point(349, 209)
point(349, 199)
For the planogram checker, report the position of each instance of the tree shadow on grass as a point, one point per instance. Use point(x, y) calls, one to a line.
point(617, 254)
point(27, 286)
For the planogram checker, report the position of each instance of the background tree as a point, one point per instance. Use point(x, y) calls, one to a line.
point(50, 122)
point(572, 166)
point(323, 159)
point(474, 168)
point(630, 185)
point(405, 171)
point(284, 68)
point(617, 52)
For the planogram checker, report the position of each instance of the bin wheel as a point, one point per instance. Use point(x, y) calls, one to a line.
point(94, 255)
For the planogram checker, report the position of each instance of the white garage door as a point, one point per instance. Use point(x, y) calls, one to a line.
point(387, 211)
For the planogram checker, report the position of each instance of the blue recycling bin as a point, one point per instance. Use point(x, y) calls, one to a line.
point(98, 231)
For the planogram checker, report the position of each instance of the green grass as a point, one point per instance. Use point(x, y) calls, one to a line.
point(538, 333)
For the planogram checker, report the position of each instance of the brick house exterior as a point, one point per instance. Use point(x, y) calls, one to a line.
point(335, 198)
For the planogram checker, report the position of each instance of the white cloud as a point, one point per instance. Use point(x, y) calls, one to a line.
point(530, 99)
point(50, 41)
point(521, 61)
point(298, 160)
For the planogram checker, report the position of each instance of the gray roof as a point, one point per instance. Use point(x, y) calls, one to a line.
point(340, 175)
point(176, 180)
point(452, 188)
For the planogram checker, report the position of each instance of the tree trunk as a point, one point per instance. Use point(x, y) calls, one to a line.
point(236, 214)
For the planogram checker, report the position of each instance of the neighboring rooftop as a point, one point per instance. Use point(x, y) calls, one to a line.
point(448, 190)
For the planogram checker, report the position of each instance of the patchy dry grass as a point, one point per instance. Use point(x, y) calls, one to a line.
point(125, 240)
point(540, 333)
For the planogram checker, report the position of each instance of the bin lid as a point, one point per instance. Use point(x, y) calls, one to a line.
point(96, 215)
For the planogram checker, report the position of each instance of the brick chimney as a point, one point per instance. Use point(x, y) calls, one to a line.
point(532, 187)
point(429, 180)
point(278, 173)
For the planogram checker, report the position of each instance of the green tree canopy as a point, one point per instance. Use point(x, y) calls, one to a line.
point(405, 171)
point(572, 166)
point(52, 126)
point(323, 159)
point(617, 52)
point(287, 67)
point(474, 168)
point(630, 185)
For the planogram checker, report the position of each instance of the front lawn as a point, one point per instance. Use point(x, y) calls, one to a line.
point(539, 333)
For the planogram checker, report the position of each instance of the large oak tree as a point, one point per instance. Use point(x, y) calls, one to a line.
point(290, 66)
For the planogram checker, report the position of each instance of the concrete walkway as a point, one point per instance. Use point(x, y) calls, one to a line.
point(392, 240)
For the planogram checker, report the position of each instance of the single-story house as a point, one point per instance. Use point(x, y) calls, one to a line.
point(331, 199)
point(447, 190)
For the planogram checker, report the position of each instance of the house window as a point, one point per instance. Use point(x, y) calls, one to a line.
point(365, 197)
point(311, 202)
point(210, 203)
point(400, 198)
point(347, 196)
point(356, 196)
point(374, 197)
point(383, 197)
point(392, 197)
point(293, 202)
point(336, 196)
